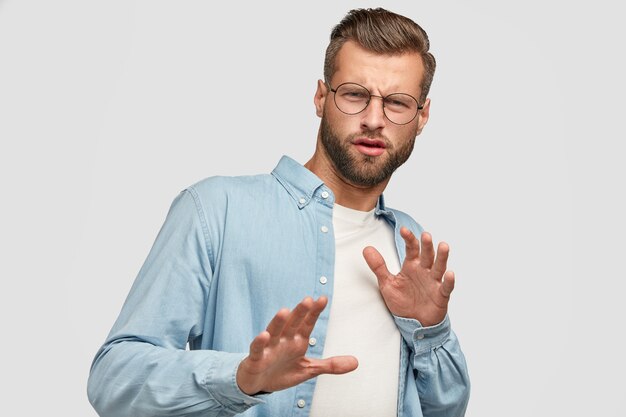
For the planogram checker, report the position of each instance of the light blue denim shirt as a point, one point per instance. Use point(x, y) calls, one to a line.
point(231, 253)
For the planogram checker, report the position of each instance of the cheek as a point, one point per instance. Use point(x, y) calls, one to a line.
point(338, 122)
point(411, 130)
point(405, 136)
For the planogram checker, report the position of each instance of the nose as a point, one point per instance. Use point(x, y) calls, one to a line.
point(373, 117)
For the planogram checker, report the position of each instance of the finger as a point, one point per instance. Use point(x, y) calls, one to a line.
point(441, 262)
point(376, 262)
point(448, 284)
point(258, 345)
point(275, 328)
point(411, 243)
point(335, 365)
point(309, 321)
point(297, 316)
point(427, 256)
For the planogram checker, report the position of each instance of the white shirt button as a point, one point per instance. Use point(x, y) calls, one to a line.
point(420, 336)
point(323, 280)
point(325, 195)
point(312, 341)
point(301, 403)
point(324, 229)
point(302, 201)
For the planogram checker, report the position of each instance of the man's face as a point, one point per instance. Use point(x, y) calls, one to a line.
point(366, 148)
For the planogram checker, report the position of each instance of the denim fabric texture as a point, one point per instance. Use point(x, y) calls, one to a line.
point(231, 253)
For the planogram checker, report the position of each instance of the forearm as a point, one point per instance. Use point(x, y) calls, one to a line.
point(135, 378)
point(442, 379)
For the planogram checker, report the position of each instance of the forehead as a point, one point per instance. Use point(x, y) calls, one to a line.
point(378, 72)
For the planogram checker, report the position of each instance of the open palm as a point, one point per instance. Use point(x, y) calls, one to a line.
point(421, 290)
point(277, 355)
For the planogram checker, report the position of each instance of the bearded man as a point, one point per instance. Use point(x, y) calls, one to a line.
point(368, 334)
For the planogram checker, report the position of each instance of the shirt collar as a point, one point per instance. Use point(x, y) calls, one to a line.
point(381, 209)
point(302, 184)
point(299, 182)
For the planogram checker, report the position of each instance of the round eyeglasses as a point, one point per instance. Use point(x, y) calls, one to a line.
point(353, 98)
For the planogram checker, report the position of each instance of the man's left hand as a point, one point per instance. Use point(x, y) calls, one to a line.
point(421, 290)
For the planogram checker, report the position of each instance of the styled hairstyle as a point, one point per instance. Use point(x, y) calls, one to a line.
point(383, 32)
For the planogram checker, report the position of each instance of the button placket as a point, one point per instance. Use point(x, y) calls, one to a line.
point(321, 203)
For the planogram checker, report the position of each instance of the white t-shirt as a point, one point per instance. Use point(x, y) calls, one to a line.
point(360, 323)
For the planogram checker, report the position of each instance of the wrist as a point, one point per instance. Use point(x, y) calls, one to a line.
point(243, 382)
point(426, 320)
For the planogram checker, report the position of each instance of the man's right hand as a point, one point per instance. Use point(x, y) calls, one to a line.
point(276, 360)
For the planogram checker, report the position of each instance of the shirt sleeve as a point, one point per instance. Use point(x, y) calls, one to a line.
point(143, 368)
point(440, 373)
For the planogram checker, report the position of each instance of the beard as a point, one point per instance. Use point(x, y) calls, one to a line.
point(363, 170)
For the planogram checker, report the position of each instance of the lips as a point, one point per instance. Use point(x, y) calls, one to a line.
point(369, 147)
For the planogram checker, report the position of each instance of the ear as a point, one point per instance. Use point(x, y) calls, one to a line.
point(320, 98)
point(422, 117)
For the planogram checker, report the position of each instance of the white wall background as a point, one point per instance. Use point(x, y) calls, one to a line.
point(109, 109)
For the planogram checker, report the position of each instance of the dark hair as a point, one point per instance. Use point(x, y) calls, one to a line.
point(384, 32)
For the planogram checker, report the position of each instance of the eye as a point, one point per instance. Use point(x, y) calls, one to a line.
point(355, 95)
point(397, 103)
point(400, 102)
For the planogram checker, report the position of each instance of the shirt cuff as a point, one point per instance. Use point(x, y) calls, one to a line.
point(221, 382)
point(422, 339)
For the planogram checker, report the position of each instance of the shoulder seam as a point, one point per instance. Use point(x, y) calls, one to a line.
point(200, 210)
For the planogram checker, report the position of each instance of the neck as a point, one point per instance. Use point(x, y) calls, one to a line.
point(363, 198)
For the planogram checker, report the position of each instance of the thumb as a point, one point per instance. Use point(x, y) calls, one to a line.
point(377, 264)
point(336, 365)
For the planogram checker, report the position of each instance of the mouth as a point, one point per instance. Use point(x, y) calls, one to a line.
point(370, 147)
